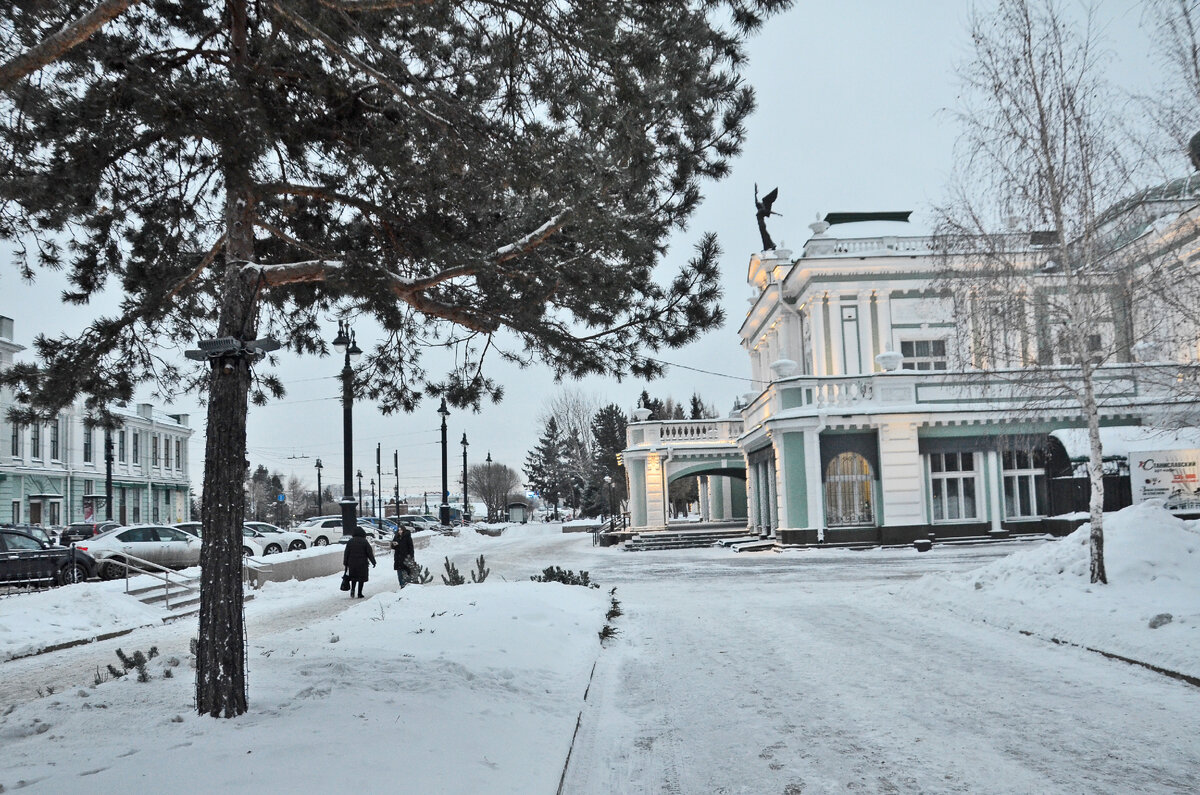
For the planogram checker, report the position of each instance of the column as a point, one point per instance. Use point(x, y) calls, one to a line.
point(883, 306)
point(995, 483)
point(702, 490)
point(816, 319)
point(834, 314)
point(866, 332)
point(773, 503)
point(816, 493)
point(752, 497)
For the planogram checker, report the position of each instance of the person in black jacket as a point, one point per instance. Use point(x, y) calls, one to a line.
point(356, 557)
point(403, 554)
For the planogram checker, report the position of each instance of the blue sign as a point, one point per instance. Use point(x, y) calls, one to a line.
point(283, 498)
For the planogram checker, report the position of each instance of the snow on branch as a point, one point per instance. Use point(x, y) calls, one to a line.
point(531, 240)
point(294, 272)
point(52, 47)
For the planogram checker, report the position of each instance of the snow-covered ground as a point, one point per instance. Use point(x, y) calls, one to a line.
point(813, 671)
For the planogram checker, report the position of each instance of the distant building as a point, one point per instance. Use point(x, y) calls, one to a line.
point(53, 473)
point(859, 426)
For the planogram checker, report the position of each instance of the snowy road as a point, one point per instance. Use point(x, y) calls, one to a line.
point(812, 677)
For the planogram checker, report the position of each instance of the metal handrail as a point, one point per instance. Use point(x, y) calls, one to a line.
point(163, 573)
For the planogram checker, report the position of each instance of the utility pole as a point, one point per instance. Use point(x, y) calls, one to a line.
point(396, 465)
point(379, 477)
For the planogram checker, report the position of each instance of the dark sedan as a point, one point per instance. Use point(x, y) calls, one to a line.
point(78, 531)
point(24, 560)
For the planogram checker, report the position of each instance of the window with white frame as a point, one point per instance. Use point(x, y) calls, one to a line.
point(88, 435)
point(952, 486)
point(54, 440)
point(121, 445)
point(35, 440)
point(166, 452)
point(17, 432)
point(923, 354)
point(1024, 483)
point(137, 452)
point(178, 454)
point(154, 449)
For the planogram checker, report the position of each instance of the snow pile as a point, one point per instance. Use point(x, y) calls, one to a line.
point(1149, 611)
point(433, 689)
point(30, 622)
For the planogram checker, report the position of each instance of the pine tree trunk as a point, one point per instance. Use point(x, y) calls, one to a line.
point(1096, 475)
point(221, 656)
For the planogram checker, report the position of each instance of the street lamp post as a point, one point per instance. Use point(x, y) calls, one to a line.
point(491, 487)
point(360, 510)
point(319, 503)
point(466, 509)
point(345, 344)
point(379, 475)
point(374, 505)
point(396, 467)
point(444, 508)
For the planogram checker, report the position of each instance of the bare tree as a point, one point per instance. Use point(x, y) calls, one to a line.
point(1039, 152)
point(493, 482)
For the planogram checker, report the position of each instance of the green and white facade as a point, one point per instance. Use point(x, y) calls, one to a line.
point(53, 473)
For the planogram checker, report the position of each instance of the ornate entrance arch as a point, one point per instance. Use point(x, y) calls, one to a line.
point(849, 493)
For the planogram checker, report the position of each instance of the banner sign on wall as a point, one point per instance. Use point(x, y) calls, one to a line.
point(1169, 475)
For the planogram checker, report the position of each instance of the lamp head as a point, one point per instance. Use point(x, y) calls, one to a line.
point(341, 341)
point(445, 412)
point(354, 350)
point(319, 465)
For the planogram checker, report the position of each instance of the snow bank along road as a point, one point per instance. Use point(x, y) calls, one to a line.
point(807, 675)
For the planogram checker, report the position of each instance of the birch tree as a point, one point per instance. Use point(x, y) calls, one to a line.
point(1038, 163)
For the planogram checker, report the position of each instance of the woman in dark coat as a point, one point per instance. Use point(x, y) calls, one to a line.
point(403, 554)
point(356, 557)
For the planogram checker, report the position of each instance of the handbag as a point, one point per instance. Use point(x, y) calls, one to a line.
point(414, 571)
point(346, 581)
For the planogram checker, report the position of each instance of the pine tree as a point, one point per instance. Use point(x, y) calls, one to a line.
point(544, 466)
point(467, 172)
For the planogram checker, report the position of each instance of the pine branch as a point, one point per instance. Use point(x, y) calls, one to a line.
point(352, 59)
point(54, 46)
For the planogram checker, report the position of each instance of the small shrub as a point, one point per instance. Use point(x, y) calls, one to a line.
point(424, 577)
point(609, 631)
point(480, 571)
point(565, 576)
point(452, 577)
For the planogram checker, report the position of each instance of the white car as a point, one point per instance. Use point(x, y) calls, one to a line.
point(321, 530)
point(251, 546)
point(166, 546)
point(271, 537)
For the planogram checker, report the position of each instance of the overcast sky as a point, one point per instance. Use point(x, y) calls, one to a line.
point(851, 101)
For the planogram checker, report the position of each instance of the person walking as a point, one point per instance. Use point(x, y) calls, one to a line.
point(356, 557)
point(403, 554)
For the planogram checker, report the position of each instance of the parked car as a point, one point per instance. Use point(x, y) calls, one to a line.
point(273, 539)
point(166, 546)
point(38, 532)
point(380, 532)
point(251, 548)
point(77, 531)
point(386, 525)
point(321, 530)
point(27, 560)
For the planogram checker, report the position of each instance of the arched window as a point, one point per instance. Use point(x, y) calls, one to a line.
point(848, 494)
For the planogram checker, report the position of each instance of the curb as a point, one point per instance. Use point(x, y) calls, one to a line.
point(73, 643)
point(562, 779)
point(1191, 680)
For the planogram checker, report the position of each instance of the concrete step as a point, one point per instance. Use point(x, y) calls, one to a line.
point(755, 545)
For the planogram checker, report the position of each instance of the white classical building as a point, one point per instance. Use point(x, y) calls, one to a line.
point(868, 422)
point(54, 473)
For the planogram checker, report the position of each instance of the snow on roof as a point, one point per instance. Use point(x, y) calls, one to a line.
point(1121, 441)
